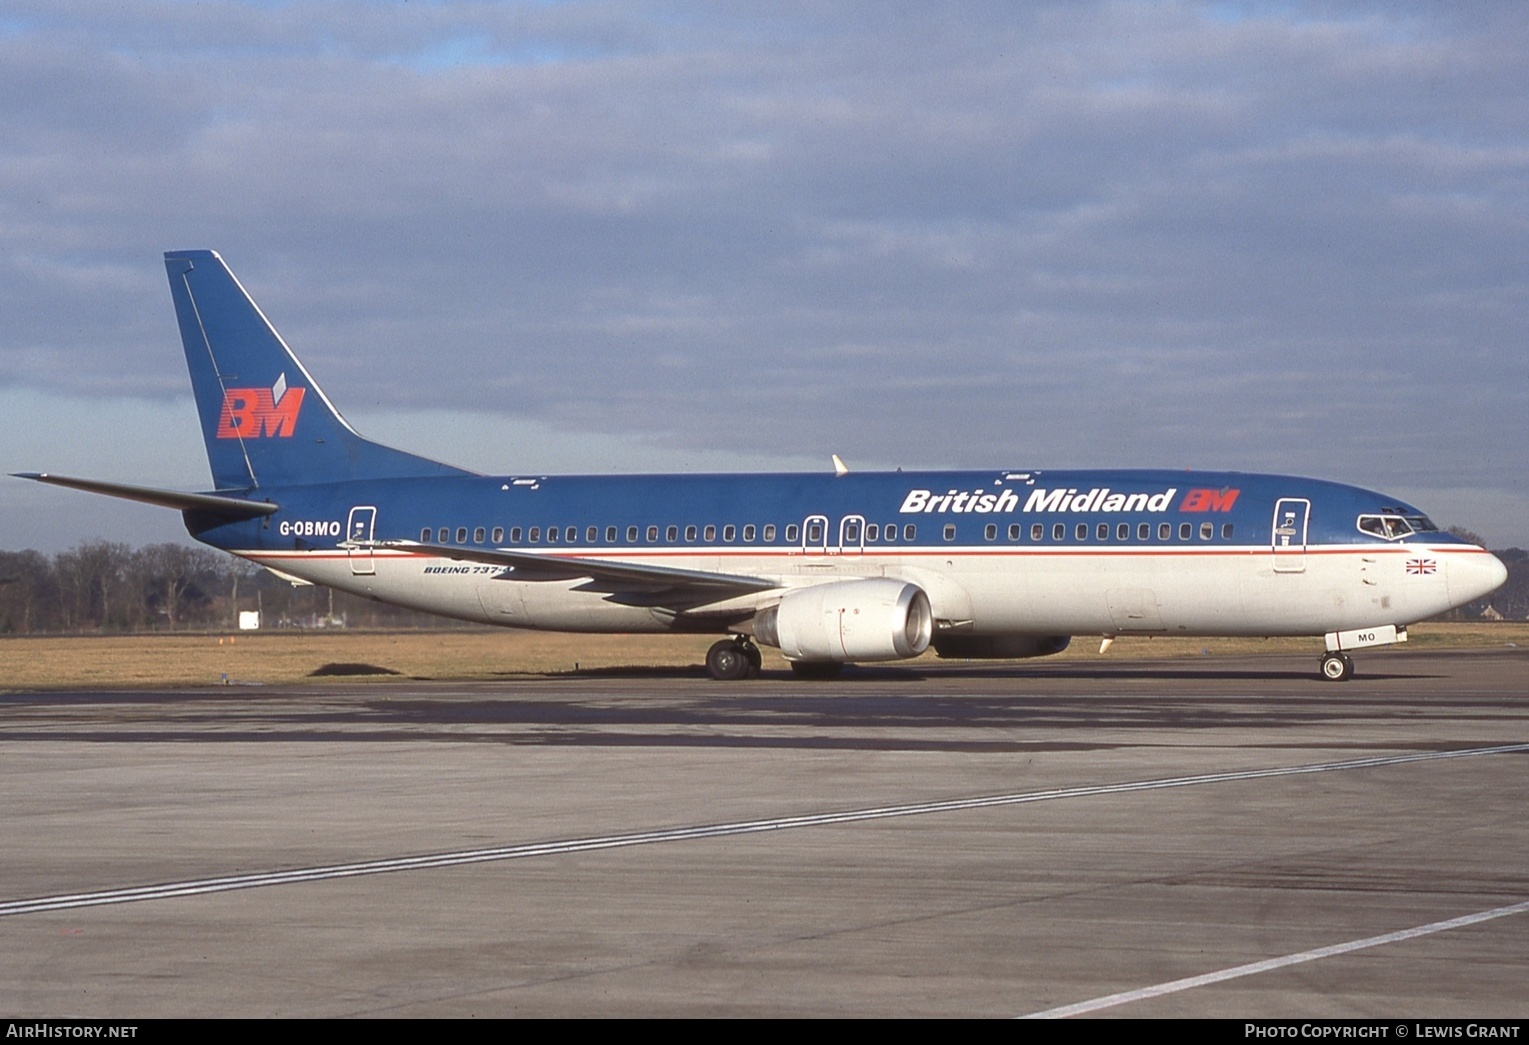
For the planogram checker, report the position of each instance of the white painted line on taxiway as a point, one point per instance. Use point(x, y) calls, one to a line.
point(199, 886)
point(1254, 968)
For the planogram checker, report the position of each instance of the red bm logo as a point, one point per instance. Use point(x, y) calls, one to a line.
point(1202, 500)
point(256, 413)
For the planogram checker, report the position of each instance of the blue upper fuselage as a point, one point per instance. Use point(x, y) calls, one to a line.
point(967, 508)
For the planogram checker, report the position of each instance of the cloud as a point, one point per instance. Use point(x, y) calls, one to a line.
point(1276, 236)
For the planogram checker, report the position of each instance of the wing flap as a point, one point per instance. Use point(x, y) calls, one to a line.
point(637, 583)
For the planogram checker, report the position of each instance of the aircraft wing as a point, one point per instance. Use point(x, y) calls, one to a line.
point(631, 583)
point(216, 504)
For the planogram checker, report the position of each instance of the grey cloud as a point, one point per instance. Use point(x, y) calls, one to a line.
point(1279, 236)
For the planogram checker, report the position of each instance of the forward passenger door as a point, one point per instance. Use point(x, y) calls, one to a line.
point(1288, 537)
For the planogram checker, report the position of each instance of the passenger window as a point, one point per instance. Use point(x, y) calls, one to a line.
point(571, 535)
point(610, 535)
point(1207, 531)
point(442, 535)
point(552, 535)
point(814, 532)
point(729, 533)
point(534, 535)
point(631, 535)
point(791, 532)
point(1226, 531)
point(748, 534)
point(1081, 531)
point(710, 534)
point(514, 534)
point(461, 535)
point(1164, 531)
point(1058, 531)
point(1184, 531)
point(592, 535)
point(950, 531)
point(1102, 531)
point(769, 533)
point(872, 531)
point(478, 535)
point(1037, 531)
point(498, 534)
point(1015, 531)
point(424, 535)
point(1143, 531)
point(672, 534)
point(1123, 532)
point(690, 533)
point(652, 534)
point(990, 531)
point(909, 532)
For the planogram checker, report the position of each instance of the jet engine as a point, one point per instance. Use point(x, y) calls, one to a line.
point(1000, 647)
point(873, 619)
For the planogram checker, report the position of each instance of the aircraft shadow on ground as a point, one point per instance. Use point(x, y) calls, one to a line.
point(873, 709)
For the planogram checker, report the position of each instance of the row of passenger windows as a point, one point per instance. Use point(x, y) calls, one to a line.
point(1102, 531)
point(634, 534)
point(816, 533)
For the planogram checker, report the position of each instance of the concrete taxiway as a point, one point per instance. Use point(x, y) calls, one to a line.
point(1128, 839)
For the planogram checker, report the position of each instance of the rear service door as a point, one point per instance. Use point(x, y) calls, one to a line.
point(358, 539)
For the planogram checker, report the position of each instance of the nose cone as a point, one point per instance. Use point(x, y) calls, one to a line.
point(1474, 573)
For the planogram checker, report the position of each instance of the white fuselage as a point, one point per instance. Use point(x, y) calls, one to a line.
point(1238, 590)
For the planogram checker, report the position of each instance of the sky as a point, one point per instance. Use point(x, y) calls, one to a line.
point(617, 237)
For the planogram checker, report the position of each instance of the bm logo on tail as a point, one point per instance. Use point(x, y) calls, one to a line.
point(260, 413)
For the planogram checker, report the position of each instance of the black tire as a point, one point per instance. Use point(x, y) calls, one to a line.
point(1337, 667)
point(727, 661)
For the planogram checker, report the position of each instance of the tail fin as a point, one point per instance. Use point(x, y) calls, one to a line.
point(264, 419)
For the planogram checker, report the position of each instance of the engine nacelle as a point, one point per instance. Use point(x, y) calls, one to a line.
point(1000, 647)
point(873, 619)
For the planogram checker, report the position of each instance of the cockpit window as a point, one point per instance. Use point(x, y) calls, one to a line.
point(1392, 527)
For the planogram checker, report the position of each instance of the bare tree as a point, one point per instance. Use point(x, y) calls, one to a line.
point(175, 578)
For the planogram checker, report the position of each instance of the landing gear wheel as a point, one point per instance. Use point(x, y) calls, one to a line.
point(1337, 667)
point(728, 661)
point(816, 669)
point(756, 659)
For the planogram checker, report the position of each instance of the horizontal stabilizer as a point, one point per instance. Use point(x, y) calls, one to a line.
point(213, 504)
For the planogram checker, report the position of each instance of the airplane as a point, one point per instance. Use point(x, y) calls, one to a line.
point(831, 568)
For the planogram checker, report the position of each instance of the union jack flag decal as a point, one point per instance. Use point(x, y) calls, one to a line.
point(1421, 567)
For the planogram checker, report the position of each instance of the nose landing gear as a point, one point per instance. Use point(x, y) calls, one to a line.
point(1337, 667)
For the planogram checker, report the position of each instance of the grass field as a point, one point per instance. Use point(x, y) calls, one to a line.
point(133, 661)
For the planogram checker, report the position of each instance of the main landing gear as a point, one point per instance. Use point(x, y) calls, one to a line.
point(733, 659)
point(1337, 667)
